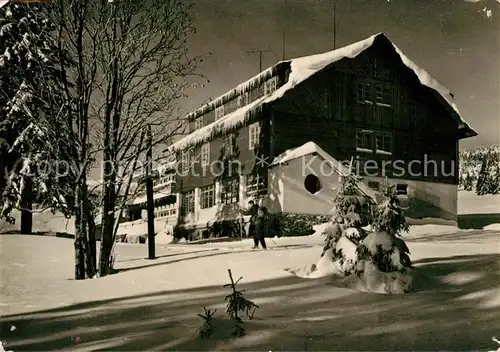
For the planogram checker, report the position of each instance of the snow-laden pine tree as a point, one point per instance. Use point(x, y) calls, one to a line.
point(343, 201)
point(345, 232)
point(45, 139)
point(488, 181)
point(27, 82)
point(383, 257)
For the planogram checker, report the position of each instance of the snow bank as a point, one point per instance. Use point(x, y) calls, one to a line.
point(430, 230)
point(492, 227)
point(373, 280)
point(324, 267)
point(319, 229)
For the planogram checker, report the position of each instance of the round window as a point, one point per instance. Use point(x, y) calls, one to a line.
point(312, 184)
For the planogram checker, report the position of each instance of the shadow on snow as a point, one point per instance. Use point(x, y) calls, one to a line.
point(461, 313)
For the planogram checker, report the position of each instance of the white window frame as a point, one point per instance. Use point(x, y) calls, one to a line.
point(207, 196)
point(256, 186)
point(230, 191)
point(198, 123)
point(219, 112)
point(270, 85)
point(205, 154)
point(253, 135)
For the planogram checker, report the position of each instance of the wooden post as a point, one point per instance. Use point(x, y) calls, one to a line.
point(149, 194)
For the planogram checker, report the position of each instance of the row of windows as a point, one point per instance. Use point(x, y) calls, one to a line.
point(163, 179)
point(165, 210)
point(269, 86)
point(164, 213)
point(375, 141)
point(188, 157)
point(255, 186)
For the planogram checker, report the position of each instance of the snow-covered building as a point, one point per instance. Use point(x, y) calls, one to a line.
point(164, 195)
point(281, 137)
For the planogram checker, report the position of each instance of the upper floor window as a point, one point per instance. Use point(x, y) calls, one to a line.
point(383, 95)
point(364, 140)
point(207, 196)
point(364, 93)
point(379, 93)
point(198, 123)
point(205, 154)
point(270, 85)
point(188, 202)
point(185, 159)
point(383, 143)
point(243, 99)
point(253, 136)
point(227, 144)
point(219, 112)
point(374, 141)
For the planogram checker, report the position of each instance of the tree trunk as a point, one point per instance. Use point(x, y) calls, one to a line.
point(27, 207)
point(79, 234)
point(92, 255)
point(107, 226)
point(85, 243)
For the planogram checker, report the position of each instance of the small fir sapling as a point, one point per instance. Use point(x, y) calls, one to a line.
point(206, 329)
point(236, 302)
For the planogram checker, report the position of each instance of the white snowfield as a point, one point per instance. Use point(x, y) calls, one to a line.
point(153, 304)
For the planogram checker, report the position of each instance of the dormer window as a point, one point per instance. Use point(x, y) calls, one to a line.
point(219, 112)
point(198, 123)
point(270, 86)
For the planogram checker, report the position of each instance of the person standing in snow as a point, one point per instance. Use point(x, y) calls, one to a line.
point(252, 211)
point(260, 228)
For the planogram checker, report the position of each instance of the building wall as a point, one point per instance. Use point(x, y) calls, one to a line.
point(291, 196)
point(325, 109)
point(425, 199)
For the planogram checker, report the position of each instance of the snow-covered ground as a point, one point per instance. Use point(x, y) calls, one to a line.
point(153, 305)
point(471, 203)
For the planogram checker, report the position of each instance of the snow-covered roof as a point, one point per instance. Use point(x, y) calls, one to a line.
point(301, 69)
point(158, 170)
point(310, 148)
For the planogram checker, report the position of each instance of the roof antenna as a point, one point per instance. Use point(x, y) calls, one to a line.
point(261, 54)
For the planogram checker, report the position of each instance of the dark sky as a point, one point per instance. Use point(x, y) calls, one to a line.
point(452, 39)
